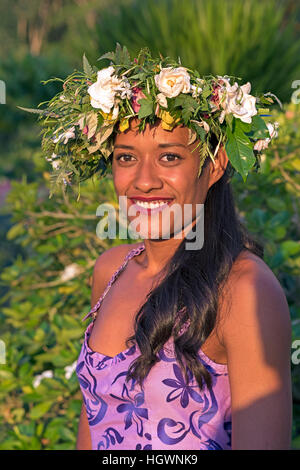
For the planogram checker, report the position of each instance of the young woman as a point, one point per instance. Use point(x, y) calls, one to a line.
point(210, 364)
point(189, 347)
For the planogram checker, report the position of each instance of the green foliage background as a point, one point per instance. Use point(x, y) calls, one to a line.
point(41, 312)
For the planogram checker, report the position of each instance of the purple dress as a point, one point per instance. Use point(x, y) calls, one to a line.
point(168, 414)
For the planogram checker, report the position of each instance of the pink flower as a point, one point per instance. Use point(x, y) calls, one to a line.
point(85, 130)
point(137, 94)
point(216, 95)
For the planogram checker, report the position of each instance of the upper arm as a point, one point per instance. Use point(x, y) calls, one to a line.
point(257, 339)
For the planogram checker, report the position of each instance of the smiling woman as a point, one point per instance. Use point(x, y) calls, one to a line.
point(209, 363)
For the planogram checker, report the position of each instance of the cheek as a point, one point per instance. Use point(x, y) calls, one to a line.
point(118, 178)
point(191, 189)
point(179, 177)
point(184, 182)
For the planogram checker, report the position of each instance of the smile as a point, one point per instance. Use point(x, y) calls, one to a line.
point(151, 206)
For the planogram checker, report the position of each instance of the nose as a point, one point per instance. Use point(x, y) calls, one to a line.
point(147, 177)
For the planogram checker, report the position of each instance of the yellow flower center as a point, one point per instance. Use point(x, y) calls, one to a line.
point(170, 82)
point(123, 125)
point(168, 121)
point(107, 116)
point(156, 68)
point(166, 116)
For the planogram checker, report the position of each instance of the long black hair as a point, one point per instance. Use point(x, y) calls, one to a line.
point(193, 279)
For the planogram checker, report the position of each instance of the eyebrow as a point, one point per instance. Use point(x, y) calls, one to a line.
point(171, 144)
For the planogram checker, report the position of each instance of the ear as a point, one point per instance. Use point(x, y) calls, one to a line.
point(217, 170)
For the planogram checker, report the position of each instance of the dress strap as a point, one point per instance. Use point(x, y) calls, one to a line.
point(131, 254)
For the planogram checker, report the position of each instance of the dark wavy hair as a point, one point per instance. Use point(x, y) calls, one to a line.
point(192, 279)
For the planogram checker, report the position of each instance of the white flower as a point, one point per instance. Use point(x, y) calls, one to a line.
point(262, 144)
point(64, 99)
point(55, 161)
point(54, 155)
point(172, 81)
point(104, 90)
point(236, 100)
point(47, 374)
point(69, 370)
point(70, 272)
point(69, 134)
point(56, 164)
point(196, 89)
point(272, 129)
point(124, 89)
point(162, 100)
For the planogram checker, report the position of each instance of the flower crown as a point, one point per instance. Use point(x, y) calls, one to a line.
point(81, 123)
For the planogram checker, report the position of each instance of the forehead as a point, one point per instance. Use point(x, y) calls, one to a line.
point(152, 134)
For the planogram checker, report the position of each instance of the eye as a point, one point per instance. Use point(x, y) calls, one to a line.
point(171, 155)
point(124, 155)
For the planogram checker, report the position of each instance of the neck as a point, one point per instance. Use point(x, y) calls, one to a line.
point(159, 251)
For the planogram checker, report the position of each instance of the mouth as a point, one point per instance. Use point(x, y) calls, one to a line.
point(151, 206)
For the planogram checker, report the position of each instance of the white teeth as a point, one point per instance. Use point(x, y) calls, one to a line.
point(151, 205)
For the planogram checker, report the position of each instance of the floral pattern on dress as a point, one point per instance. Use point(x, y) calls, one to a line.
point(132, 405)
point(181, 389)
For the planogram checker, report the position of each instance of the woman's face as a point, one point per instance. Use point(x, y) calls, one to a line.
point(159, 165)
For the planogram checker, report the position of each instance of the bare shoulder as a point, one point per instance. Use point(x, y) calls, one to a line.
point(105, 265)
point(114, 256)
point(256, 308)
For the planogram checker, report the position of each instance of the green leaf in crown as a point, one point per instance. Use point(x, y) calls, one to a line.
point(239, 148)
